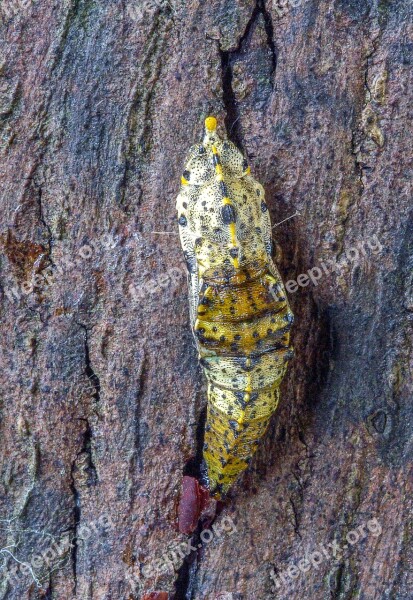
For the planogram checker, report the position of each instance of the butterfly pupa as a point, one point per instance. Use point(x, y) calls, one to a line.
point(239, 312)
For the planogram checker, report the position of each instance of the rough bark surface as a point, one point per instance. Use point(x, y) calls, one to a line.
point(101, 396)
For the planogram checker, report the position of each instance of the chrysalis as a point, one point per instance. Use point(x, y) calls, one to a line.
point(239, 311)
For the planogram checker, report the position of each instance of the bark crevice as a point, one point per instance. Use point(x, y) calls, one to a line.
point(227, 59)
point(228, 95)
point(76, 522)
point(47, 227)
point(89, 371)
point(269, 29)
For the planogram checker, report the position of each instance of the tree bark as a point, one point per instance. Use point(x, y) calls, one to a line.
point(102, 400)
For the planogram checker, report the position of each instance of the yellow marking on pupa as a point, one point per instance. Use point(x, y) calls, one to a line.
point(210, 123)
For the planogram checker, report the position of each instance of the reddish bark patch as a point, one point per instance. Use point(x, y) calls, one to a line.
point(156, 596)
point(23, 255)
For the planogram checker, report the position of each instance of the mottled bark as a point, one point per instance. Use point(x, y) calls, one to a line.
point(102, 401)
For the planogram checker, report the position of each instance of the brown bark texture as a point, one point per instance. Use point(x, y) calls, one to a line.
point(102, 402)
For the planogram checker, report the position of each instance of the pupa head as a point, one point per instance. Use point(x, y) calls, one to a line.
point(201, 164)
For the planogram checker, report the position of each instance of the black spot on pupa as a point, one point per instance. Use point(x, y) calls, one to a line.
point(223, 189)
point(289, 354)
point(258, 192)
point(187, 175)
point(289, 318)
point(184, 204)
point(198, 242)
point(241, 401)
point(264, 206)
point(244, 164)
point(182, 221)
point(228, 214)
point(234, 252)
point(201, 150)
